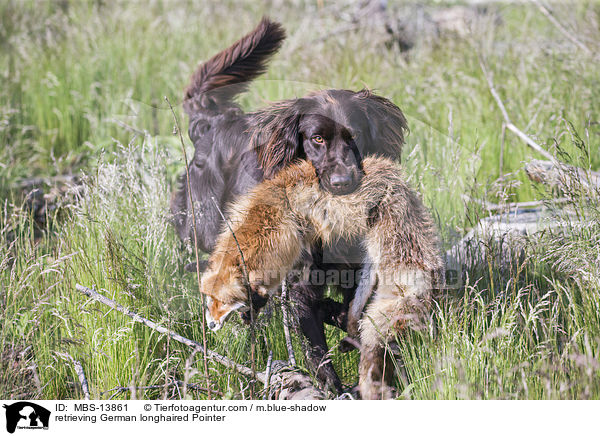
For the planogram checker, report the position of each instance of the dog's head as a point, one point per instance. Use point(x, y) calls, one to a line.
point(219, 170)
point(333, 129)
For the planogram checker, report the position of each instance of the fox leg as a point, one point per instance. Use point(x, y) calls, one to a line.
point(393, 309)
point(375, 331)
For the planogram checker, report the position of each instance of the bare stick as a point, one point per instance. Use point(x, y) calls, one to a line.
point(268, 375)
point(80, 374)
point(286, 324)
point(151, 324)
point(560, 27)
point(189, 190)
point(127, 126)
point(237, 243)
point(286, 379)
point(509, 125)
point(168, 358)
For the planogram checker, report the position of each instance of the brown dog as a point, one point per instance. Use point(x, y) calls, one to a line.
point(282, 216)
point(235, 150)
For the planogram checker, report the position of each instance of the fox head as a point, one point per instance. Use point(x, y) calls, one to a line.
point(226, 293)
point(217, 312)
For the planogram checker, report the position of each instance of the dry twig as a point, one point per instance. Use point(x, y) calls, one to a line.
point(268, 375)
point(288, 379)
point(561, 175)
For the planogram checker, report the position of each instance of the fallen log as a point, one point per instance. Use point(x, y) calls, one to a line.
point(509, 229)
point(562, 176)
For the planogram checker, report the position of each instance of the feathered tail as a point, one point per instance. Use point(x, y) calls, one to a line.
point(220, 79)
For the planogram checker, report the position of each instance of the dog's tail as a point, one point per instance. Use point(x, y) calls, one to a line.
point(221, 78)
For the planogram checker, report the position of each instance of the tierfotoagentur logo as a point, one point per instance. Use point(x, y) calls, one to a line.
point(26, 415)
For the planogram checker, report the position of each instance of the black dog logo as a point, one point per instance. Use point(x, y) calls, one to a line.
point(28, 415)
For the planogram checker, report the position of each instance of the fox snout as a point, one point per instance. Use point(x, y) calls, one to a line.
point(217, 312)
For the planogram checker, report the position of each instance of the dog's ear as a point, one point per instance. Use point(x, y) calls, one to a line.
point(386, 125)
point(276, 138)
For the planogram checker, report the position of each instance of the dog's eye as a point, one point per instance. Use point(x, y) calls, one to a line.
point(318, 139)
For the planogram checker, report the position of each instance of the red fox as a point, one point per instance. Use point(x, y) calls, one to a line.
point(275, 221)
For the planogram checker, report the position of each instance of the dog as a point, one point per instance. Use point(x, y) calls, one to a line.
point(278, 219)
point(234, 151)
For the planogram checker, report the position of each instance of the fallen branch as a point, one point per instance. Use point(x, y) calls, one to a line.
point(509, 124)
point(37, 181)
point(295, 385)
point(151, 324)
point(126, 126)
point(512, 206)
point(526, 204)
point(560, 27)
point(82, 379)
point(551, 171)
point(268, 375)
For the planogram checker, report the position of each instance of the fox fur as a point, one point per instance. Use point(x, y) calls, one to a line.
point(280, 217)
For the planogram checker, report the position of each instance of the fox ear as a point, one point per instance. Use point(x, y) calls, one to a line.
point(191, 267)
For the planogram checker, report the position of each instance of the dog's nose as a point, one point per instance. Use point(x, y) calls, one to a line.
point(212, 325)
point(340, 180)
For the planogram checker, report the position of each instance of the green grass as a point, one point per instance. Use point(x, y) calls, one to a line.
point(83, 92)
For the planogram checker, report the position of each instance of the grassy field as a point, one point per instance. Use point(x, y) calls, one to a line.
point(83, 93)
